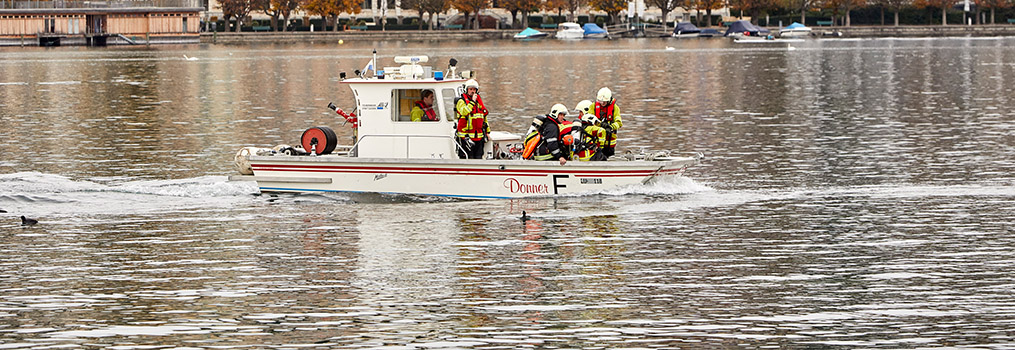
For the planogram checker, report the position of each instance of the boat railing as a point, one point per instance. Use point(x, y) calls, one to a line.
point(355, 147)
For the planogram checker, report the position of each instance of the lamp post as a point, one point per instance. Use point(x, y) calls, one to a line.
point(965, 12)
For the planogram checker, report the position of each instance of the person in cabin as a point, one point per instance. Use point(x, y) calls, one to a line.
point(472, 128)
point(608, 112)
point(549, 137)
point(423, 109)
point(590, 137)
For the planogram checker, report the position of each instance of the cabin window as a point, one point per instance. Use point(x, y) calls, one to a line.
point(450, 96)
point(405, 101)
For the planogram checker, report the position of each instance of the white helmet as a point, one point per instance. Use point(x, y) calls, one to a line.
point(590, 118)
point(471, 83)
point(583, 107)
point(557, 109)
point(604, 95)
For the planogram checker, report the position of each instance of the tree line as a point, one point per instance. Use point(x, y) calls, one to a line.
point(427, 10)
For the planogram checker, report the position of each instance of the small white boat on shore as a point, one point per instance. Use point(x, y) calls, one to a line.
point(529, 34)
point(795, 30)
point(569, 31)
point(393, 154)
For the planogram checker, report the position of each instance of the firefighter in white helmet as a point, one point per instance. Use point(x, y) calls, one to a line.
point(472, 128)
point(549, 137)
point(590, 137)
point(582, 108)
point(608, 112)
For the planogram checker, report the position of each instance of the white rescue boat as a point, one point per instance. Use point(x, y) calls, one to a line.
point(393, 154)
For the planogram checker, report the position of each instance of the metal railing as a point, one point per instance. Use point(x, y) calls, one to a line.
point(114, 4)
point(355, 147)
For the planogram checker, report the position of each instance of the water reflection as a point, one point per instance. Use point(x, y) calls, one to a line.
point(854, 194)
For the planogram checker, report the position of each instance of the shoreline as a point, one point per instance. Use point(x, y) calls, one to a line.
point(906, 31)
point(997, 30)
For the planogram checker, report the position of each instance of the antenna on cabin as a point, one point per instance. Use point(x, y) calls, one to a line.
point(451, 68)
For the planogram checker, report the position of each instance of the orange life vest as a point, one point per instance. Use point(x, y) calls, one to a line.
point(534, 139)
point(428, 112)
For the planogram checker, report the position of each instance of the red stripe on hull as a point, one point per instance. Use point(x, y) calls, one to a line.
point(460, 171)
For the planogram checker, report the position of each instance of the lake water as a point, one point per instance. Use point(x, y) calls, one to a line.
point(855, 194)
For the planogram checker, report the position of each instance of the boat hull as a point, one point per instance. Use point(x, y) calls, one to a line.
point(795, 33)
point(456, 178)
point(530, 37)
point(570, 35)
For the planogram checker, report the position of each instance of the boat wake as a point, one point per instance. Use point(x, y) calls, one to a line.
point(667, 186)
point(708, 198)
point(48, 194)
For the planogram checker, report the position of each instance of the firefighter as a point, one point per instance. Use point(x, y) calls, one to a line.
point(472, 129)
point(549, 137)
point(608, 112)
point(423, 109)
point(589, 138)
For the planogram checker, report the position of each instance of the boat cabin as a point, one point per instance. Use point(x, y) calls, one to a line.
point(385, 101)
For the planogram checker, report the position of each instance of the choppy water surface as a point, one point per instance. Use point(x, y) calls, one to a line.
point(855, 194)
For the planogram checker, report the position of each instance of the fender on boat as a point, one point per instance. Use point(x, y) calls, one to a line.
point(242, 158)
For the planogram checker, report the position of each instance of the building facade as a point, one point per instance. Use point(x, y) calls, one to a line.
point(61, 22)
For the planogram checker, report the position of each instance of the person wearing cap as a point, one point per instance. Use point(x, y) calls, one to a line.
point(423, 109)
point(472, 128)
point(608, 112)
point(552, 135)
point(590, 137)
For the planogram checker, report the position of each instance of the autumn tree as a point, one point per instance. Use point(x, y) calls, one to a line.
point(611, 7)
point(753, 8)
point(525, 7)
point(236, 8)
point(894, 5)
point(708, 6)
point(666, 6)
point(265, 7)
point(418, 6)
point(844, 7)
point(572, 7)
point(799, 5)
point(327, 9)
point(555, 5)
point(688, 6)
point(512, 6)
point(993, 5)
point(352, 7)
point(469, 7)
point(433, 7)
point(944, 5)
point(286, 9)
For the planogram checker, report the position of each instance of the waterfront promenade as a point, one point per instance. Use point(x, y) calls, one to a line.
point(488, 34)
